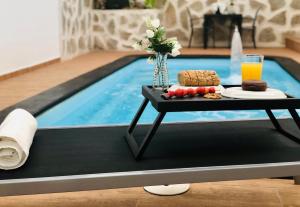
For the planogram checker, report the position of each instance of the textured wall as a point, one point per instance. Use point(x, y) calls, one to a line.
point(276, 19)
point(119, 29)
point(76, 27)
point(84, 29)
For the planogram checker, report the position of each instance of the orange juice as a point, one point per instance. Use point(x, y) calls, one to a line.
point(252, 71)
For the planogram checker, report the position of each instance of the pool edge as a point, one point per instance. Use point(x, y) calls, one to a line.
point(46, 99)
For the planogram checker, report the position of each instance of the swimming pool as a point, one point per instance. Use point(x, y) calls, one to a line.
point(115, 99)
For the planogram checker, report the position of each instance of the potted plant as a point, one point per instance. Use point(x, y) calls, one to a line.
point(150, 4)
point(155, 42)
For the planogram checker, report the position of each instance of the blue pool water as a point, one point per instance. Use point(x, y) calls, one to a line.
point(116, 98)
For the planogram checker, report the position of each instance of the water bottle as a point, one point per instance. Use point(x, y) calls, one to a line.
point(236, 55)
point(231, 8)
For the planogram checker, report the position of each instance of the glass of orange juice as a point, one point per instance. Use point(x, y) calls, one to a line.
point(252, 67)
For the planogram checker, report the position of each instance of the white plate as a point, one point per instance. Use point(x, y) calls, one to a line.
point(239, 93)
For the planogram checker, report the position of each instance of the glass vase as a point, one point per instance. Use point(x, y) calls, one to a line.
point(160, 74)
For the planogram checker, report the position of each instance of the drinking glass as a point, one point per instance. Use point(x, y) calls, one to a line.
point(252, 67)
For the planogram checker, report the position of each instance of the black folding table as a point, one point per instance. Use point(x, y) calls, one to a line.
point(164, 106)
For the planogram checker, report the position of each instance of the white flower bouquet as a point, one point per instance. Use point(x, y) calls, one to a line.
point(155, 41)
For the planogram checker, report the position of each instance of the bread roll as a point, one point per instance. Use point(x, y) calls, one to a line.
point(198, 78)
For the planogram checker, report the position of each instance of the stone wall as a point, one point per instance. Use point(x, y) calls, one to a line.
point(76, 28)
point(276, 19)
point(85, 29)
point(119, 29)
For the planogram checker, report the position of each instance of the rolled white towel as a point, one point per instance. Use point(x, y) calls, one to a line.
point(16, 136)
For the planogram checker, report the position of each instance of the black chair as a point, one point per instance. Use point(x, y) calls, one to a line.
point(116, 4)
point(194, 21)
point(252, 27)
point(99, 4)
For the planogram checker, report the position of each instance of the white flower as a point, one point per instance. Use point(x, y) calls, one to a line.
point(152, 23)
point(137, 46)
point(148, 22)
point(177, 46)
point(145, 44)
point(174, 42)
point(149, 33)
point(150, 60)
point(175, 52)
point(155, 23)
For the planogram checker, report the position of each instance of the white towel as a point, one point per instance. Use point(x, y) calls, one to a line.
point(16, 136)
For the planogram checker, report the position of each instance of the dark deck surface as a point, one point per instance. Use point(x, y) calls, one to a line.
point(60, 152)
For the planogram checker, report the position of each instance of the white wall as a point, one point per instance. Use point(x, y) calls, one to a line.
point(29, 33)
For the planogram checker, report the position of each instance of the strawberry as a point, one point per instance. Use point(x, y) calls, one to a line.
point(201, 90)
point(206, 90)
point(191, 92)
point(171, 93)
point(185, 92)
point(179, 93)
point(212, 90)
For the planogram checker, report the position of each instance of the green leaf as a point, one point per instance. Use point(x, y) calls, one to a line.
point(150, 3)
point(159, 34)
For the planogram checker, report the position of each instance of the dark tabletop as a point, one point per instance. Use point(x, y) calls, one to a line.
point(202, 104)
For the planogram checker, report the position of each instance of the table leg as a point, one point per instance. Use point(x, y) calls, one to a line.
point(274, 120)
point(138, 150)
point(146, 141)
point(280, 129)
point(205, 35)
point(239, 24)
point(138, 115)
point(231, 32)
point(297, 180)
point(295, 116)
